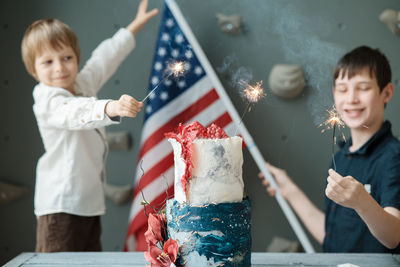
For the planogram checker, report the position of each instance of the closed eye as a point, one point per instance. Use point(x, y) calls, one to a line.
point(341, 89)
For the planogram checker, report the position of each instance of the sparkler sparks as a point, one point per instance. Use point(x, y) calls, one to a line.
point(175, 69)
point(252, 93)
point(334, 121)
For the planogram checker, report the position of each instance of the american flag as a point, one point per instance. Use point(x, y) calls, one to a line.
point(190, 97)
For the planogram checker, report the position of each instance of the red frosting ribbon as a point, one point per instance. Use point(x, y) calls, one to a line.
point(186, 134)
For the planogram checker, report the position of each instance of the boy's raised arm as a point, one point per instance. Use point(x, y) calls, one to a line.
point(142, 17)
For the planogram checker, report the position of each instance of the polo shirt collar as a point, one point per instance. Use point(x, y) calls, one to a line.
point(371, 143)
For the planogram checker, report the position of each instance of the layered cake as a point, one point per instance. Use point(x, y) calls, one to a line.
point(208, 216)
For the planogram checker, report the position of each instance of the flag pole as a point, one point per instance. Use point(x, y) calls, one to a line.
point(251, 146)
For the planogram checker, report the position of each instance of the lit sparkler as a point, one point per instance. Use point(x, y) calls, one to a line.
point(252, 93)
point(175, 69)
point(332, 122)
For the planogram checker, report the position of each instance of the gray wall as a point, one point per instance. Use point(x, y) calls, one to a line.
point(312, 33)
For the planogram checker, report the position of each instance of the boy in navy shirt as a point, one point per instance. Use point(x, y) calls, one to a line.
point(362, 211)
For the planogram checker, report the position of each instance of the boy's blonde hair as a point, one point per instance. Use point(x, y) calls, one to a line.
point(43, 33)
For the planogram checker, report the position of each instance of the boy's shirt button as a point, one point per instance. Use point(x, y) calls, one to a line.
point(98, 116)
point(82, 120)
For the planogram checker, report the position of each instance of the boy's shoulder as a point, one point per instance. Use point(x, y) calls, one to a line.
point(384, 142)
point(390, 150)
point(393, 144)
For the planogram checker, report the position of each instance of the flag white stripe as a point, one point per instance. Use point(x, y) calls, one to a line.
point(230, 129)
point(153, 156)
point(152, 191)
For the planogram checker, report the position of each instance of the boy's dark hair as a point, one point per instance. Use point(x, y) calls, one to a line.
point(362, 57)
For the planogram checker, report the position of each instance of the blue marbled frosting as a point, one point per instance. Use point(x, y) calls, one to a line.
point(213, 234)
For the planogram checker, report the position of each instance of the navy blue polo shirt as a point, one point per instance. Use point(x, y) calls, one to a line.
point(376, 165)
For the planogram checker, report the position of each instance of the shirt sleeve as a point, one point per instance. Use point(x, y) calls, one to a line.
point(390, 183)
point(104, 61)
point(58, 108)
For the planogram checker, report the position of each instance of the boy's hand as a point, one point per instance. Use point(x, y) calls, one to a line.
point(284, 182)
point(345, 191)
point(126, 106)
point(142, 17)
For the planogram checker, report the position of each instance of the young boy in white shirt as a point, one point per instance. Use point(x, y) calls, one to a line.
point(69, 197)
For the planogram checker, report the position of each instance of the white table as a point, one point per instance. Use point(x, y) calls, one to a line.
point(102, 259)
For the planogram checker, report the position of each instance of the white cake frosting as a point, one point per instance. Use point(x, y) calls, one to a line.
point(216, 176)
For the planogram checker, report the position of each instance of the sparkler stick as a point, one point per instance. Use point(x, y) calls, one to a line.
point(331, 123)
point(158, 84)
point(252, 94)
point(175, 69)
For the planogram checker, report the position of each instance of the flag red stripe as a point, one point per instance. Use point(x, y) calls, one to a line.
point(184, 116)
point(223, 120)
point(140, 219)
point(156, 171)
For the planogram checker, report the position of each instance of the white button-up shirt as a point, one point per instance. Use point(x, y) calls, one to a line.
point(70, 174)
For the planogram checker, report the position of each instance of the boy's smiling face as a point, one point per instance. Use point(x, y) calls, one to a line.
point(57, 68)
point(359, 101)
